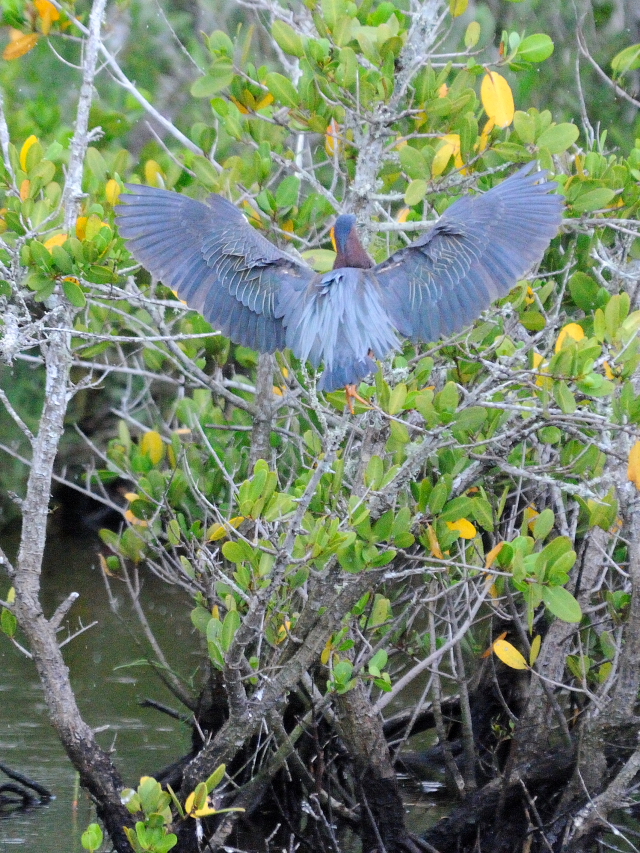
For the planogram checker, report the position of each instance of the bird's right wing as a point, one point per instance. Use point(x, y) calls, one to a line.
point(216, 262)
point(474, 254)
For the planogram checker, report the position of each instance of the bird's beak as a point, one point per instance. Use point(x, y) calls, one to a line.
point(332, 234)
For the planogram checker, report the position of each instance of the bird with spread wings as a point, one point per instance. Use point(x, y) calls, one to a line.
point(264, 298)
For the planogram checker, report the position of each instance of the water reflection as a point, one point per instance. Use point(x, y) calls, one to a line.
point(143, 740)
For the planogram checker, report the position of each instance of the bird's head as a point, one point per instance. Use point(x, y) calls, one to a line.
point(349, 250)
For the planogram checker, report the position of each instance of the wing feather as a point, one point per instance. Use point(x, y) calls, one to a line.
point(475, 253)
point(214, 259)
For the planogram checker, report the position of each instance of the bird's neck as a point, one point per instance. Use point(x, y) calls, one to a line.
point(354, 255)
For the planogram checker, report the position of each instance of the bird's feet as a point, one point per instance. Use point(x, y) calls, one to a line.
point(352, 395)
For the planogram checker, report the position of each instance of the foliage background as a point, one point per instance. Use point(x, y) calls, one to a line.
point(494, 490)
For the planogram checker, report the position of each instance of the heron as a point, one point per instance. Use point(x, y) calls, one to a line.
point(262, 297)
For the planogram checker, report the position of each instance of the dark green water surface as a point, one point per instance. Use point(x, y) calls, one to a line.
point(143, 740)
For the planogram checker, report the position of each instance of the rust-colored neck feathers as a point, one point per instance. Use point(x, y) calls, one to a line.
point(349, 250)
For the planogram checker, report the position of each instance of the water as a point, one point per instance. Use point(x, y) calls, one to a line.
point(142, 739)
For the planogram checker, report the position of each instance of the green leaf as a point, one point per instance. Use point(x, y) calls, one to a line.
point(229, 627)
point(8, 622)
point(543, 525)
point(558, 138)
point(564, 398)
point(237, 552)
point(378, 662)
point(584, 291)
point(288, 191)
point(470, 419)
point(96, 163)
point(374, 473)
point(216, 777)
point(550, 435)
point(472, 35)
point(615, 313)
point(205, 171)
point(438, 496)
point(603, 514)
point(92, 837)
point(561, 603)
point(483, 513)
point(627, 60)
point(287, 38)
point(593, 200)
point(74, 293)
point(534, 321)
point(282, 89)
point(332, 10)
point(415, 192)
point(218, 77)
point(535, 48)
point(413, 162)
point(397, 399)
point(525, 126)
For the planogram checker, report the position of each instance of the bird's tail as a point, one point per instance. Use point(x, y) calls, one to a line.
point(339, 375)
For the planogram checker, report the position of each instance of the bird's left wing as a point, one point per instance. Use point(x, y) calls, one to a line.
point(474, 254)
point(210, 255)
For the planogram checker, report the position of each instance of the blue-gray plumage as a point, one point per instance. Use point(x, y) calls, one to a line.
point(263, 298)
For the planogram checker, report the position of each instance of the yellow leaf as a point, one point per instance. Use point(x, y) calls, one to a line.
point(449, 148)
point(219, 531)
point(497, 99)
point(607, 370)
point(25, 150)
point(152, 446)
point(278, 391)
point(490, 649)
point(486, 133)
point(509, 655)
point(131, 496)
point(46, 8)
point(530, 514)
point(633, 469)
point(434, 545)
point(131, 518)
point(443, 91)
point(458, 7)
point(332, 140)
point(56, 240)
point(254, 216)
point(403, 214)
point(153, 174)
point(535, 649)
point(288, 227)
point(25, 189)
point(489, 560)
point(265, 102)
point(20, 44)
point(47, 13)
point(11, 595)
point(464, 528)
point(571, 330)
point(112, 191)
point(81, 227)
point(283, 632)
point(240, 106)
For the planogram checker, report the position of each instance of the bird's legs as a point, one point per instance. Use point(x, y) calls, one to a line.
point(352, 395)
